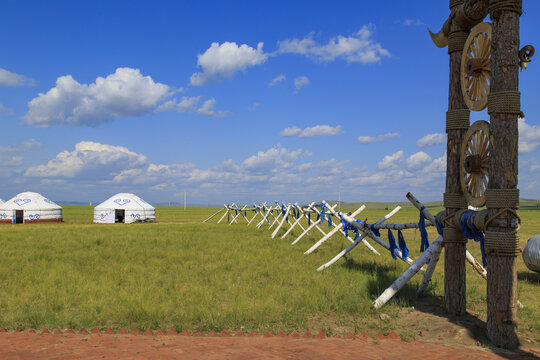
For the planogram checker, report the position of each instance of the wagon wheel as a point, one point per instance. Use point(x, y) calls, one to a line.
point(474, 163)
point(476, 67)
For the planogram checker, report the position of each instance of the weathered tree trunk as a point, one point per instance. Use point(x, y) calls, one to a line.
point(454, 241)
point(503, 174)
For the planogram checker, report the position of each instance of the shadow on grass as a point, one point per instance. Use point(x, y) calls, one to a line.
point(382, 277)
point(429, 303)
point(531, 277)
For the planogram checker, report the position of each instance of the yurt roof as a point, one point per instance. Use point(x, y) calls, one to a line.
point(125, 201)
point(29, 201)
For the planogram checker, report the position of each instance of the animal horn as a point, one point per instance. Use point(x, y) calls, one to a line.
point(440, 39)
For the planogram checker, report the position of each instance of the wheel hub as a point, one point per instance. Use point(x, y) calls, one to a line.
point(473, 164)
point(474, 67)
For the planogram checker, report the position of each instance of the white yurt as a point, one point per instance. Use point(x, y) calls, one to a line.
point(124, 208)
point(29, 207)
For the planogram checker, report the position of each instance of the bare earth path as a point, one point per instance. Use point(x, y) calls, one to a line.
point(67, 345)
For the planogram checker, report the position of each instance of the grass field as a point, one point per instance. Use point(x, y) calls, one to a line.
point(187, 275)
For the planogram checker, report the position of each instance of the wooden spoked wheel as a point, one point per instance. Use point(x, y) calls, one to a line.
point(474, 163)
point(476, 67)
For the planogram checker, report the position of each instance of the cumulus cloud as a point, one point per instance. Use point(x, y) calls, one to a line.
point(222, 61)
point(272, 160)
point(254, 106)
point(90, 160)
point(391, 161)
point(418, 160)
point(372, 139)
point(125, 93)
point(207, 109)
point(4, 110)
point(431, 139)
point(358, 47)
point(317, 130)
point(12, 156)
point(411, 22)
point(529, 136)
point(7, 78)
point(188, 103)
point(277, 80)
point(299, 83)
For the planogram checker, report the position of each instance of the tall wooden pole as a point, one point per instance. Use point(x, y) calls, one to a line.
point(457, 123)
point(502, 196)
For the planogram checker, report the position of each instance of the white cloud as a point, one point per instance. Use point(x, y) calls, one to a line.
point(188, 103)
point(124, 93)
point(207, 109)
point(358, 47)
point(277, 80)
point(4, 110)
point(411, 22)
point(89, 159)
point(12, 156)
point(418, 160)
point(391, 161)
point(431, 139)
point(222, 61)
point(254, 106)
point(317, 130)
point(372, 139)
point(271, 161)
point(529, 136)
point(8, 78)
point(300, 82)
point(291, 131)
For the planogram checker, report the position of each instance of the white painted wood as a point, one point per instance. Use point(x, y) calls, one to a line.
point(266, 217)
point(334, 230)
point(475, 264)
point(297, 220)
point(282, 221)
point(430, 270)
point(220, 210)
point(226, 212)
point(364, 241)
point(366, 232)
point(259, 211)
point(276, 218)
point(408, 274)
point(237, 215)
point(314, 223)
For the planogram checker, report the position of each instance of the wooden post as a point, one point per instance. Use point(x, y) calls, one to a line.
point(457, 122)
point(502, 196)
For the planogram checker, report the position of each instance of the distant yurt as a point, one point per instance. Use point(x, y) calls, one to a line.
point(29, 207)
point(124, 208)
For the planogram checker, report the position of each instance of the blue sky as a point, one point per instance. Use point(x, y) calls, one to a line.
point(241, 101)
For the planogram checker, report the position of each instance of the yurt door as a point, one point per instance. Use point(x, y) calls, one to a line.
point(120, 215)
point(19, 216)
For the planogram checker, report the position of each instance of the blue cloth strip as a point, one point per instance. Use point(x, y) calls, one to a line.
point(375, 231)
point(471, 232)
point(403, 246)
point(393, 244)
point(329, 221)
point(422, 227)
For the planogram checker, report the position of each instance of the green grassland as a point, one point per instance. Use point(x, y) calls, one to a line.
point(184, 274)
